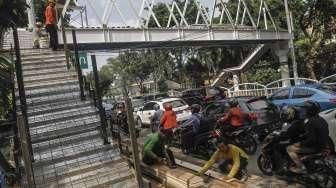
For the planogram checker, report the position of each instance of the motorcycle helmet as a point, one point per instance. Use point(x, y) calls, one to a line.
point(156, 107)
point(233, 103)
point(290, 114)
point(168, 107)
point(312, 108)
point(195, 108)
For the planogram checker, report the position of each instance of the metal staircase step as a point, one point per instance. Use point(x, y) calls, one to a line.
point(53, 83)
point(61, 174)
point(39, 51)
point(52, 98)
point(26, 59)
point(66, 132)
point(61, 116)
point(43, 66)
point(44, 72)
point(69, 152)
point(57, 106)
point(53, 126)
point(64, 141)
point(43, 62)
point(50, 77)
point(46, 91)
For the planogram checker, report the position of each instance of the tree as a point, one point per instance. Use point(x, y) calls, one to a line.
point(12, 12)
point(317, 25)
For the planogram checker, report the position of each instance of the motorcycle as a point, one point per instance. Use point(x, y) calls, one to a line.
point(240, 137)
point(203, 144)
point(321, 169)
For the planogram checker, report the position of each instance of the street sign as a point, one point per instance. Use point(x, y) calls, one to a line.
point(83, 62)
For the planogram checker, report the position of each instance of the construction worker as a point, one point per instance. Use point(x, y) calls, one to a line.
point(232, 159)
point(155, 151)
point(50, 23)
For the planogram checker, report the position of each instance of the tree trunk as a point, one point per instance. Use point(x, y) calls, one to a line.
point(310, 69)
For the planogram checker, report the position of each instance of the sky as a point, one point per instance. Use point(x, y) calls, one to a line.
point(95, 8)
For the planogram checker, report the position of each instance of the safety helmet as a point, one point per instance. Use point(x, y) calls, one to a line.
point(156, 107)
point(290, 114)
point(312, 108)
point(195, 108)
point(168, 107)
point(233, 103)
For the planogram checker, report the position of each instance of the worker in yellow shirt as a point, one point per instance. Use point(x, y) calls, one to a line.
point(232, 160)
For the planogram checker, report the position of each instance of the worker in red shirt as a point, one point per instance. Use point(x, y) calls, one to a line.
point(235, 117)
point(168, 120)
point(50, 23)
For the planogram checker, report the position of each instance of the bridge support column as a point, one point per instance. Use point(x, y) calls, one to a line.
point(31, 14)
point(282, 53)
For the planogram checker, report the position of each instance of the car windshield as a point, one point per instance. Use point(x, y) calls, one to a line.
point(137, 103)
point(327, 89)
point(176, 103)
point(259, 105)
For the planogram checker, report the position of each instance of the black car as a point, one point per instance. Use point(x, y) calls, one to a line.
point(266, 113)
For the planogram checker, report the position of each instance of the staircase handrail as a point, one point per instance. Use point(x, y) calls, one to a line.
point(322, 81)
point(296, 81)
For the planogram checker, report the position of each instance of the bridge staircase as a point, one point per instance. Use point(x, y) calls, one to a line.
point(253, 57)
point(68, 150)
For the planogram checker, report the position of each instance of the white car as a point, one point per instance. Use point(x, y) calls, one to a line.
point(330, 117)
point(180, 107)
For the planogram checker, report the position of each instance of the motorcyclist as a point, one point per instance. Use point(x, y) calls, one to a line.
point(168, 121)
point(315, 138)
point(155, 151)
point(121, 118)
point(232, 159)
point(191, 128)
point(235, 117)
point(294, 128)
point(155, 119)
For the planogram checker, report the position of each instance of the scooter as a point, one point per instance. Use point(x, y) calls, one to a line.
point(321, 168)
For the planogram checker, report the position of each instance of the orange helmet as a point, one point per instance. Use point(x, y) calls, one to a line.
point(168, 107)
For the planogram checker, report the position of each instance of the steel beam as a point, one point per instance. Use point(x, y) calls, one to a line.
point(168, 35)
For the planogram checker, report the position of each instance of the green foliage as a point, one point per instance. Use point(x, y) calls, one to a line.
point(263, 76)
point(162, 86)
point(12, 11)
point(5, 88)
point(162, 13)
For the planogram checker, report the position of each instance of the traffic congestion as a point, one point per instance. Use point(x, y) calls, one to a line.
point(290, 133)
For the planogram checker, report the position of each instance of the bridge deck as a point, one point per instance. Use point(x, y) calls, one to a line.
point(161, 37)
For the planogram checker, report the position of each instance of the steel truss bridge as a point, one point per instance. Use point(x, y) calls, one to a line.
point(215, 23)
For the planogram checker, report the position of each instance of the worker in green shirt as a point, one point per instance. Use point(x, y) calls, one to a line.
point(232, 160)
point(156, 151)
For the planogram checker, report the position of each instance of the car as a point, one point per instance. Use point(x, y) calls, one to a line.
point(194, 96)
point(137, 104)
point(330, 117)
point(264, 110)
point(147, 111)
point(296, 95)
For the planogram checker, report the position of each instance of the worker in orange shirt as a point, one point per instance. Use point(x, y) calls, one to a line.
point(168, 121)
point(50, 23)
